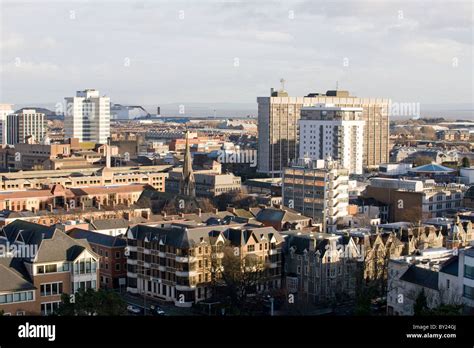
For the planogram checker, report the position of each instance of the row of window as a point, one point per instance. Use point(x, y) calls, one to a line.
point(22, 296)
point(50, 289)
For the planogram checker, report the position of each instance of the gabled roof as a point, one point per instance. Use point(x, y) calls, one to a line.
point(31, 233)
point(61, 247)
point(421, 276)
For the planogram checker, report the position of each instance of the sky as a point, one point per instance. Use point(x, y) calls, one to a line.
point(158, 52)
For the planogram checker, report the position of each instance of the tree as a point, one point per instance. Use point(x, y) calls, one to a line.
point(92, 302)
point(420, 306)
point(465, 162)
point(238, 277)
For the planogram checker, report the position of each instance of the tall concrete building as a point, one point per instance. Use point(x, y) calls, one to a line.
point(317, 189)
point(25, 123)
point(87, 117)
point(278, 130)
point(335, 132)
point(5, 110)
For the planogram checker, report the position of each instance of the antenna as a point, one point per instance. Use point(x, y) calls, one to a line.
point(282, 81)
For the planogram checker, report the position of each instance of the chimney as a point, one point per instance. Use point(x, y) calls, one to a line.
point(181, 215)
point(163, 213)
point(50, 207)
point(199, 212)
point(33, 210)
point(216, 211)
point(83, 206)
point(231, 210)
point(98, 205)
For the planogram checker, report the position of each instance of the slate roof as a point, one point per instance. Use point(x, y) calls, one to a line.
point(97, 238)
point(450, 266)
point(184, 238)
point(109, 224)
point(13, 275)
point(421, 276)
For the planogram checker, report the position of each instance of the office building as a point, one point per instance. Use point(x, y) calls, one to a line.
point(87, 117)
point(278, 132)
point(335, 132)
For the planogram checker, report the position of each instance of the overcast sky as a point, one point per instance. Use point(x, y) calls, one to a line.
point(153, 52)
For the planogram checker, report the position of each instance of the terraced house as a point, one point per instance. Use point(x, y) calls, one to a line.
point(178, 263)
point(49, 264)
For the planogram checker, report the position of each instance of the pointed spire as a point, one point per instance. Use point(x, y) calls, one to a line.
point(187, 183)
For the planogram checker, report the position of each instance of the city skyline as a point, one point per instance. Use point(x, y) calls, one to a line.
point(145, 52)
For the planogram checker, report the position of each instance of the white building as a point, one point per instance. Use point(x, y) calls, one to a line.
point(28, 122)
point(5, 110)
point(445, 276)
point(87, 117)
point(336, 132)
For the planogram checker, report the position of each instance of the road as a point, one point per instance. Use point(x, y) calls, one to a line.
point(168, 307)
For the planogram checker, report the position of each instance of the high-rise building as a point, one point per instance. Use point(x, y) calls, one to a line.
point(317, 189)
point(5, 110)
point(20, 125)
point(278, 131)
point(335, 132)
point(87, 117)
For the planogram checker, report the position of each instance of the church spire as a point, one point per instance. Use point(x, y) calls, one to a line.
point(187, 184)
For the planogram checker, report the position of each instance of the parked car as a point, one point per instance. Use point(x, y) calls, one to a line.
point(155, 310)
point(134, 309)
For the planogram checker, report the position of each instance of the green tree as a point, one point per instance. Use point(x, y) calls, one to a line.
point(446, 309)
point(91, 302)
point(420, 306)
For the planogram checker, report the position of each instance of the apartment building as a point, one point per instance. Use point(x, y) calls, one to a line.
point(174, 263)
point(321, 267)
point(317, 189)
point(333, 132)
point(415, 200)
point(40, 264)
point(278, 131)
point(23, 124)
point(112, 258)
point(87, 117)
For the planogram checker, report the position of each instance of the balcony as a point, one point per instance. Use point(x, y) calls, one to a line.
point(182, 259)
point(186, 273)
point(273, 251)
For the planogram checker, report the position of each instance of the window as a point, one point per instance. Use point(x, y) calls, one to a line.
point(117, 266)
point(117, 254)
point(50, 289)
point(468, 272)
point(468, 292)
point(21, 296)
point(49, 308)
